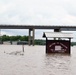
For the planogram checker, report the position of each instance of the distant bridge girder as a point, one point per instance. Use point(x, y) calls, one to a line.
point(63, 27)
point(68, 29)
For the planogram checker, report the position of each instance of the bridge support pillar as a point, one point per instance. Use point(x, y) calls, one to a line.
point(57, 30)
point(31, 36)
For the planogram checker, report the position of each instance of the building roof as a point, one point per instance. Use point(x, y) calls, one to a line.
point(57, 35)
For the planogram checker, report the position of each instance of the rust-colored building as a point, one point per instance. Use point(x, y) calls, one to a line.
point(58, 44)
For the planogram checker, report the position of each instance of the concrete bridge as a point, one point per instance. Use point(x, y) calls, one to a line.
point(57, 28)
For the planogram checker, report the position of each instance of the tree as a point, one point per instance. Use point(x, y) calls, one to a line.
point(5, 38)
point(24, 38)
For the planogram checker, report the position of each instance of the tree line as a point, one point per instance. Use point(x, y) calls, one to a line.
point(13, 38)
point(4, 38)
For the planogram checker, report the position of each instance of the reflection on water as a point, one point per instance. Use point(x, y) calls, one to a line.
point(15, 53)
point(58, 64)
point(34, 61)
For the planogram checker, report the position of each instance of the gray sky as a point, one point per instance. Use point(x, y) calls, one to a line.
point(42, 12)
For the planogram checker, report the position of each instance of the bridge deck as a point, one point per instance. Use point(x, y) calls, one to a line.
point(62, 27)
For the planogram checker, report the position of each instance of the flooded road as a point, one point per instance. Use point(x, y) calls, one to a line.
point(34, 61)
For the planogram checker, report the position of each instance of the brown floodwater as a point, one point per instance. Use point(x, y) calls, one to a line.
point(34, 61)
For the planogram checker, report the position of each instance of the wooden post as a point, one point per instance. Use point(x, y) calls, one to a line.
point(46, 46)
point(0, 36)
point(69, 45)
point(23, 48)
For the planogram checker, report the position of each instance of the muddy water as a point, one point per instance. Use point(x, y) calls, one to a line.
point(34, 61)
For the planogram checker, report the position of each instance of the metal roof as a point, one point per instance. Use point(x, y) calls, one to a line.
point(57, 35)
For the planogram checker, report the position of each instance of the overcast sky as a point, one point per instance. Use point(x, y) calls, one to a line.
point(42, 12)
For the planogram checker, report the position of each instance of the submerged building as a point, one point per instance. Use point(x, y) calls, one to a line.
point(60, 43)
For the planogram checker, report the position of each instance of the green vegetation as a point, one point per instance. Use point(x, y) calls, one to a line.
point(40, 42)
point(13, 38)
point(20, 38)
point(73, 43)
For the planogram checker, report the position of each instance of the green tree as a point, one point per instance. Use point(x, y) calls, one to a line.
point(13, 38)
point(24, 38)
point(5, 38)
